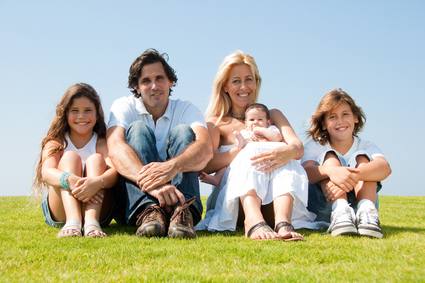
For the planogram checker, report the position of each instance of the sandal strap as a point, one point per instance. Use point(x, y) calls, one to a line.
point(72, 225)
point(288, 226)
point(258, 226)
point(91, 226)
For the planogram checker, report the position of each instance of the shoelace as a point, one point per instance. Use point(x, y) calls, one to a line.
point(344, 215)
point(181, 209)
point(368, 216)
point(146, 212)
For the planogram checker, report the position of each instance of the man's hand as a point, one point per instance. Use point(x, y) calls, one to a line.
point(155, 174)
point(167, 195)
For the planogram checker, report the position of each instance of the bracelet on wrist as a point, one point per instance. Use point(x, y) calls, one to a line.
point(63, 181)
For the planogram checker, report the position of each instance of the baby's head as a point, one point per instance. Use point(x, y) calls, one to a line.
point(257, 115)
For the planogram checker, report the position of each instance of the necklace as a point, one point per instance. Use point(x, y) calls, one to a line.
point(239, 117)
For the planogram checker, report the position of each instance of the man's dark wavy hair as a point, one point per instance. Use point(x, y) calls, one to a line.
point(149, 56)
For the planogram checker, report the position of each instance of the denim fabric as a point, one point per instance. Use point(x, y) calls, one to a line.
point(48, 218)
point(46, 212)
point(318, 205)
point(131, 200)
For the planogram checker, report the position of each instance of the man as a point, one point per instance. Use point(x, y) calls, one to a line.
point(157, 144)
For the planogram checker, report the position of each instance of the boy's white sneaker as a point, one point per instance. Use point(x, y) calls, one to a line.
point(368, 223)
point(343, 222)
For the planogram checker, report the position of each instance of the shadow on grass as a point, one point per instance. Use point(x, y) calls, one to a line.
point(237, 233)
point(394, 230)
point(389, 230)
point(117, 229)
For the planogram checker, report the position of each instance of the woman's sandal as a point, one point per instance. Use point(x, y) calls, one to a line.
point(261, 225)
point(92, 229)
point(290, 234)
point(70, 229)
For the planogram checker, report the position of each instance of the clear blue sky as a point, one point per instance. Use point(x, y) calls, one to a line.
point(375, 50)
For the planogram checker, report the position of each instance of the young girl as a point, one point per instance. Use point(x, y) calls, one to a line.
point(74, 166)
point(289, 181)
point(343, 168)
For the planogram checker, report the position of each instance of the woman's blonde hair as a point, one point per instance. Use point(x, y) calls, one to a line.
point(329, 101)
point(59, 126)
point(220, 103)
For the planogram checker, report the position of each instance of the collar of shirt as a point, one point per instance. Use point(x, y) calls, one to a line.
point(141, 109)
point(352, 149)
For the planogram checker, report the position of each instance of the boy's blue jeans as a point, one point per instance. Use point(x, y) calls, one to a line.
point(131, 200)
point(318, 204)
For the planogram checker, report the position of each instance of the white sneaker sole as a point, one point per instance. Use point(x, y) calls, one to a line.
point(370, 233)
point(345, 230)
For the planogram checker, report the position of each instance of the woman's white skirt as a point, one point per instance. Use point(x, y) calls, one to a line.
point(243, 177)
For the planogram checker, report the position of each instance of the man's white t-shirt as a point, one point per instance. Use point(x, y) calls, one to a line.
point(125, 110)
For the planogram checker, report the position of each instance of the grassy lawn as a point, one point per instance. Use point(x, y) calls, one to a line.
point(29, 251)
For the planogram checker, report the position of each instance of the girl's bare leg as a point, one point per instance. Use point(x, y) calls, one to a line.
point(70, 162)
point(95, 166)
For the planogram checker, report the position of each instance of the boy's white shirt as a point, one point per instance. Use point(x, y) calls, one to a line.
point(315, 151)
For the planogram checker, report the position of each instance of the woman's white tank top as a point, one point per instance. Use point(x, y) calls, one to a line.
point(85, 151)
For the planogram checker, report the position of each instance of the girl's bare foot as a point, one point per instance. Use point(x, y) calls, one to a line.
point(92, 229)
point(72, 228)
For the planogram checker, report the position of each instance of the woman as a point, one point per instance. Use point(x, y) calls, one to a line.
point(235, 87)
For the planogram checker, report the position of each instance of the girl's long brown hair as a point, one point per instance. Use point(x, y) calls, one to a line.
point(59, 126)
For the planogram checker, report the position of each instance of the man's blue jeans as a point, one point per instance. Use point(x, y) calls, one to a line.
point(131, 200)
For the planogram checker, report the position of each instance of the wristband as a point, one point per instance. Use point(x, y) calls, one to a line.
point(63, 181)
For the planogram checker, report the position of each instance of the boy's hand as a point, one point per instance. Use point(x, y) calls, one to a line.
point(332, 191)
point(345, 178)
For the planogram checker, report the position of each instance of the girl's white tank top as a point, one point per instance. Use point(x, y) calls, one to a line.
point(85, 151)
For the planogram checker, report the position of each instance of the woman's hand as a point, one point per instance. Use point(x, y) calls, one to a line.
point(86, 188)
point(271, 160)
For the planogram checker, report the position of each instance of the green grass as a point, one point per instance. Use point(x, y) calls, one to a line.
point(29, 251)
